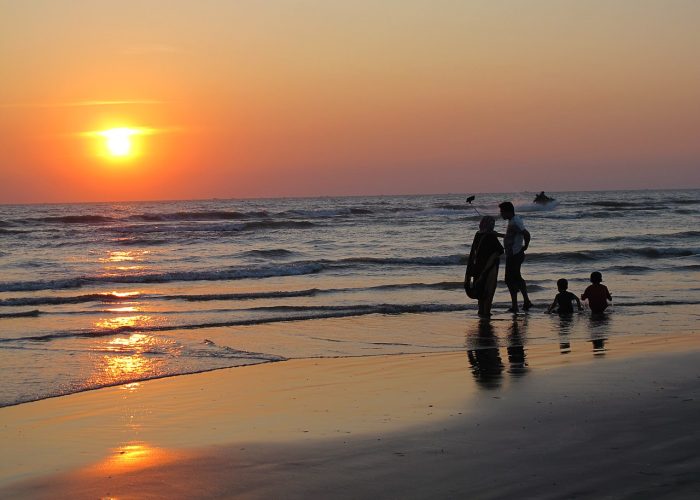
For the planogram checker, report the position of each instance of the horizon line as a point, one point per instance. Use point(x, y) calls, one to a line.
point(302, 197)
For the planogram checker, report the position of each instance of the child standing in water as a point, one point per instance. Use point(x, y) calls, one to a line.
point(564, 301)
point(597, 294)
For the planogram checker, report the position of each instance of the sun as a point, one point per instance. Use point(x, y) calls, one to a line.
point(118, 141)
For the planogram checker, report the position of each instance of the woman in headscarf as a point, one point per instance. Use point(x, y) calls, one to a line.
point(482, 267)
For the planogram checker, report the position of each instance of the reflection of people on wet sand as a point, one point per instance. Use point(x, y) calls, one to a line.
point(516, 346)
point(485, 358)
point(566, 322)
point(598, 330)
point(483, 355)
point(516, 240)
point(599, 326)
point(597, 294)
point(481, 276)
point(564, 301)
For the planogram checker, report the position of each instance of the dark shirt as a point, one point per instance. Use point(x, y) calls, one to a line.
point(598, 296)
point(484, 246)
point(565, 302)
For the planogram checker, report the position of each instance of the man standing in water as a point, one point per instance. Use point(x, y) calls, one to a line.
point(515, 241)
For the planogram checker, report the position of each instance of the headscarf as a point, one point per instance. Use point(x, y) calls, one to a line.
point(487, 224)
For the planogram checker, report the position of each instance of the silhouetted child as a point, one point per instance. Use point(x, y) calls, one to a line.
point(597, 294)
point(564, 301)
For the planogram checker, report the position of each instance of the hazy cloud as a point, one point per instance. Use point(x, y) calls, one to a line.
point(153, 48)
point(87, 103)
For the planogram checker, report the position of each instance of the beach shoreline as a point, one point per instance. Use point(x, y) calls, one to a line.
point(386, 426)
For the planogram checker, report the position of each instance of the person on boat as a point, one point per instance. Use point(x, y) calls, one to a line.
point(542, 198)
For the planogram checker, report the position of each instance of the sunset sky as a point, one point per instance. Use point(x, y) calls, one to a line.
point(304, 98)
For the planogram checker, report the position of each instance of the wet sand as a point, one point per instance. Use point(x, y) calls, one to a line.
point(589, 423)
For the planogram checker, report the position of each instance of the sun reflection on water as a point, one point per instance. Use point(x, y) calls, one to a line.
point(139, 320)
point(119, 261)
point(124, 295)
point(124, 309)
point(124, 256)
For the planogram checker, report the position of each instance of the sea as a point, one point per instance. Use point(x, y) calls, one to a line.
point(101, 294)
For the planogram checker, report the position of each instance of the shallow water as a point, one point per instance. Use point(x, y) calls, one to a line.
point(99, 294)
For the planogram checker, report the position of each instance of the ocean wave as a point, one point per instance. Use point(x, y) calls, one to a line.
point(300, 313)
point(23, 314)
point(611, 253)
point(274, 294)
point(630, 269)
point(438, 260)
point(296, 268)
point(685, 201)
point(291, 269)
point(73, 219)
point(281, 224)
point(654, 237)
point(264, 271)
point(615, 204)
point(537, 207)
point(669, 302)
point(214, 228)
point(273, 253)
point(79, 299)
point(140, 241)
point(452, 206)
point(198, 216)
point(325, 213)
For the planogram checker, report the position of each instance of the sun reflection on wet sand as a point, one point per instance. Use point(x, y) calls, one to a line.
point(134, 455)
point(132, 387)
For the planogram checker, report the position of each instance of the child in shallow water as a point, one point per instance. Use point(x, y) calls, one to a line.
point(597, 294)
point(564, 301)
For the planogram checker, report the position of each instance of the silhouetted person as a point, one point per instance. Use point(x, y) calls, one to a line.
point(597, 294)
point(515, 241)
point(564, 300)
point(482, 267)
